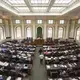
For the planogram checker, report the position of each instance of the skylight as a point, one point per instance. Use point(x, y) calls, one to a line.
point(22, 9)
point(63, 1)
point(56, 9)
point(15, 2)
point(39, 9)
point(39, 1)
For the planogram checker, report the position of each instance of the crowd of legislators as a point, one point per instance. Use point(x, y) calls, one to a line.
point(62, 59)
point(16, 60)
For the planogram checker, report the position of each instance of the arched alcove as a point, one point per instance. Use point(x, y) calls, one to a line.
point(39, 32)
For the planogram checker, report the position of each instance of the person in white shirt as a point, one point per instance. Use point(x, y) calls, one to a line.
point(41, 56)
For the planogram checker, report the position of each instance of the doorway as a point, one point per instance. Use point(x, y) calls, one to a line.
point(39, 32)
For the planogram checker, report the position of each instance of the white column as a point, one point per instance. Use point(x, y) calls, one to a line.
point(67, 29)
point(7, 32)
point(44, 31)
point(53, 36)
point(56, 30)
point(23, 30)
point(34, 30)
point(72, 29)
point(12, 30)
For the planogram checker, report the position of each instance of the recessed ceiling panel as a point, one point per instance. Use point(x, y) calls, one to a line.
point(39, 1)
point(63, 1)
point(39, 6)
point(15, 2)
point(39, 9)
point(57, 9)
point(22, 9)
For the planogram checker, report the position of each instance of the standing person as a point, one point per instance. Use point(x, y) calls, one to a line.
point(40, 51)
point(41, 58)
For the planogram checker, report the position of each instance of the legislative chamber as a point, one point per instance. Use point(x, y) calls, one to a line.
point(39, 39)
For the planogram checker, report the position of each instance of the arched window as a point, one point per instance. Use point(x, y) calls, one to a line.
point(28, 30)
point(78, 34)
point(49, 32)
point(18, 32)
point(60, 32)
point(1, 33)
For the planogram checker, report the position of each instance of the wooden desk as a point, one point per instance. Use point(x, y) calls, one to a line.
point(39, 41)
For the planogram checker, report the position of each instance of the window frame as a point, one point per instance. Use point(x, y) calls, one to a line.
point(50, 21)
point(62, 32)
point(48, 33)
point(39, 21)
point(28, 21)
point(17, 32)
point(17, 21)
point(30, 32)
point(62, 22)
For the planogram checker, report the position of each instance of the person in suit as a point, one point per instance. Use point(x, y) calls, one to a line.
point(40, 51)
point(41, 56)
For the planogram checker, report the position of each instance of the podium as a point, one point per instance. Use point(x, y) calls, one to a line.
point(39, 41)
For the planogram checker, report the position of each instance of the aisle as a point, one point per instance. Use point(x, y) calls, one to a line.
point(38, 72)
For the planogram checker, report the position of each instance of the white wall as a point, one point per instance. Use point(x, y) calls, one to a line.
point(69, 27)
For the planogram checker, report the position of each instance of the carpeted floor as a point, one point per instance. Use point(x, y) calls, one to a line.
point(38, 71)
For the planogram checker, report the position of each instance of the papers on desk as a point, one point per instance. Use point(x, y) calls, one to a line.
point(32, 49)
point(50, 79)
point(4, 63)
point(46, 58)
point(25, 57)
point(25, 67)
point(79, 77)
point(66, 51)
point(48, 66)
point(69, 65)
point(60, 79)
point(0, 49)
point(74, 58)
point(9, 78)
point(13, 56)
point(44, 46)
point(55, 65)
point(1, 77)
point(19, 78)
point(78, 55)
point(74, 79)
point(29, 55)
point(55, 58)
point(63, 66)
